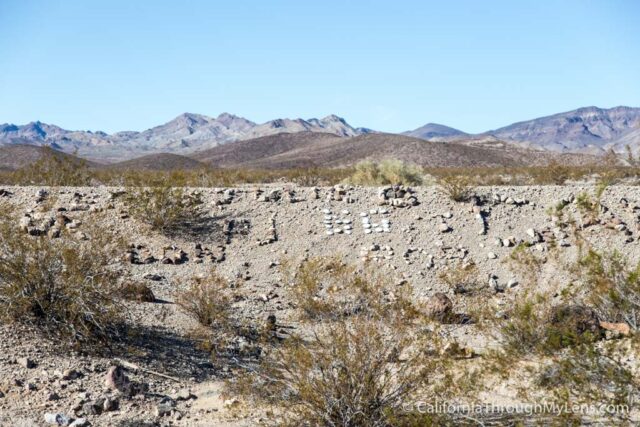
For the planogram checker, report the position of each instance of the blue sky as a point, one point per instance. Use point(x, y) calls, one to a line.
point(390, 65)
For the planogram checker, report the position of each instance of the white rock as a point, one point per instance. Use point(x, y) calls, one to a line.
point(444, 227)
point(491, 255)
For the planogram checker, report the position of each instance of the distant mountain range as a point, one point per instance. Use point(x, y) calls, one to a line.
point(589, 130)
point(187, 133)
point(585, 130)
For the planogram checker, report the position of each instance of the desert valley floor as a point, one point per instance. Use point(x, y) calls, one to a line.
point(407, 235)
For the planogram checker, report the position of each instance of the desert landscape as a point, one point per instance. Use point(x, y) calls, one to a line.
point(164, 305)
point(303, 214)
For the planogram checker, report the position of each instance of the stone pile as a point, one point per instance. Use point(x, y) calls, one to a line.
point(173, 255)
point(272, 233)
point(508, 200)
point(398, 196)
point(339, 193)
point(272, 196)
point(139, 254)
point(227, 197)
point(216, 254)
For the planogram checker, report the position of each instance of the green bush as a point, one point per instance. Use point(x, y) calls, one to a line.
point(614, 287)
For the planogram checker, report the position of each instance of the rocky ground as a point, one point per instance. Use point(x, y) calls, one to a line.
point(408, 235)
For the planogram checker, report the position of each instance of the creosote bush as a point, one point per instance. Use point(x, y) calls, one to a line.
point(348, 373)
point(63, 287)
point(593, 374)
point(534, 327)
point(366, 354)
point(386, 172)
point(163, 206)
point(614, 286)
point(457, 187)
point(206, 300)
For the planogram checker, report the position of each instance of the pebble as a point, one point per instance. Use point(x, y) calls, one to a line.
point(26, 363)
point(444, 227)
point(491, 255)
point(57, 419)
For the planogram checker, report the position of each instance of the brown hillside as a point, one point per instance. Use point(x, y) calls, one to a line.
point(317, 150)
point(13, 157)
point(159, 162)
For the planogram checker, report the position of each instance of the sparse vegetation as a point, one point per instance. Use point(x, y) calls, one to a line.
point(362, 359)
point(54, 169)
point(163, 206)
point(534, 327)
point(64, 287)
point(326, 288)
point(206, 300)
point(524, 262)
point(614, 287)
point(457, 187)
point(462, 278)
point(386, 172)
point(593, 375)
point(349, 373)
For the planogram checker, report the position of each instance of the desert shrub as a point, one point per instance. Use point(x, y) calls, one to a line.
point(349, 373)
point(457, 187)
point(163, 206)
point(54, 169)
point(462, 278)
point(594, 375)
point(206, 300)
point(589, 206)
point(326, 288)
point(533, 327)
point(63, 287)
point(554, 173)
point(136, 291)
point(614, 287)
point(364, 368)
point(386, 172)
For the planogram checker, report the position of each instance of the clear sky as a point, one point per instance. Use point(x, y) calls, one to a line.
point(391, 65)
